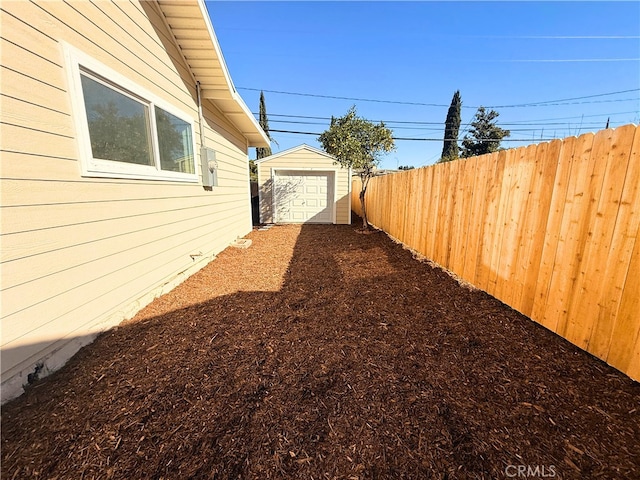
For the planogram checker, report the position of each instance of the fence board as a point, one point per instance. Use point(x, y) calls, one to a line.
point(463, 214)
point(621, 193)
point(476, 222)
point(499, 215)
point(551, 229)
point(401, 204)
point(624, 352)
point(532, 207)
point(584, 296)
point(521, 163)
point(570, 246)
point(440, 197)
point(539, 206)
point(427, 208)
point(446, 219)
point(388, 199)
point(432, 218)
point(473, 256)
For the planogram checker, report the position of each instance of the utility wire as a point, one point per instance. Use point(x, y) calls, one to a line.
point(424, 139)
point(498, 37)
point(422, 128)
point(558, 37)
point(528, 122)
point(419, 126)
point(568, 99)
point(542, 122)
point(344, 98)
point(531, 104)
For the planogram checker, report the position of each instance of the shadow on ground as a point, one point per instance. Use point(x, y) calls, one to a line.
point(365, 364)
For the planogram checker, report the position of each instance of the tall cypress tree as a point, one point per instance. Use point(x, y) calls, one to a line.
point(451, 129)
point(262, 152)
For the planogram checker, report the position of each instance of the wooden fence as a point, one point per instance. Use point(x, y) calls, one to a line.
point(549, 229)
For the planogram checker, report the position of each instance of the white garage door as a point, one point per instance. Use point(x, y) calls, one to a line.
point(303, 197)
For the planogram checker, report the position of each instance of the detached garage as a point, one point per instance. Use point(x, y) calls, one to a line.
point(303, 185)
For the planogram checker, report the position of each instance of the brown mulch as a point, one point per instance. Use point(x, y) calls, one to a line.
point(319, 353)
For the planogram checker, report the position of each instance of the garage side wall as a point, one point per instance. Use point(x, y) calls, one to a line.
point(80, 254)
point(297, 160)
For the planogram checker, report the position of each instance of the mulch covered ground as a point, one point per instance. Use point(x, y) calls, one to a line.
point(320, 353)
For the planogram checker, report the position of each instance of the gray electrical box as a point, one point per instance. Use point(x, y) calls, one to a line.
point(209, 167)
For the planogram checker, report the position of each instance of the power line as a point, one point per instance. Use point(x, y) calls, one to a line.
point(428, 129)
point(573, 98)
point(520, 122)
point(564, 60)
point(540, 122)
point(329, 118)
point(556, 37)
point(334, 97)
point(425, 139)
point(421, 125)
point(398, 102)
point(497, 37)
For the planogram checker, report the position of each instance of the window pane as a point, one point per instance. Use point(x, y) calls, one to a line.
point(175, 142)
point(118, 125)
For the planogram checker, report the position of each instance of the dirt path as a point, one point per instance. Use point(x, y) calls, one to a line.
point(319, 353)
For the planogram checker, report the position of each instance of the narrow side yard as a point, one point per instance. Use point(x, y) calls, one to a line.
point(320, 353)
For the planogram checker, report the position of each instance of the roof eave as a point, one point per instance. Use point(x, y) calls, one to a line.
point(191, 26)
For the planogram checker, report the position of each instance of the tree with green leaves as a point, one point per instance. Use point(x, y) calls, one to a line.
point(253, 171)
point(358, 144)
point(484, 135)
point(262, 152)
point(451, 130)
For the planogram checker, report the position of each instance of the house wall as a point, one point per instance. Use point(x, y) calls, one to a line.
point(303, 159)
point(81, 254)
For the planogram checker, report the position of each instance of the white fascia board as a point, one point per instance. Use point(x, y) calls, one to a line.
point(304, 146)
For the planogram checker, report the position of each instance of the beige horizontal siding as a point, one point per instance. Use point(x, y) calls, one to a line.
point(42, 302)
point(57, 255)
point(76, 251)
point(88, 28)
point(28, 115)
point(32, 63)
point(225, 137)
point(39, 143)
point(16, 165)
point(27, 89)
point(76, 312)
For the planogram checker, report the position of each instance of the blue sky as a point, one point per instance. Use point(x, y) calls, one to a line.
point(498, 54)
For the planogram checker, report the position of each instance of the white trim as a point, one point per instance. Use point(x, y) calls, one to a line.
point(335, 195)
point(260, 217)
point(273, 196)
point(304, 146)
point(77, 61)
point(333, 171)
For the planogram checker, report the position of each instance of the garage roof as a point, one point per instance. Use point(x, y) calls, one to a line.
point(191, 26)
point(304, 146)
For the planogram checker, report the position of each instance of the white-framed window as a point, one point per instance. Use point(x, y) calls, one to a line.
point(123, 130)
